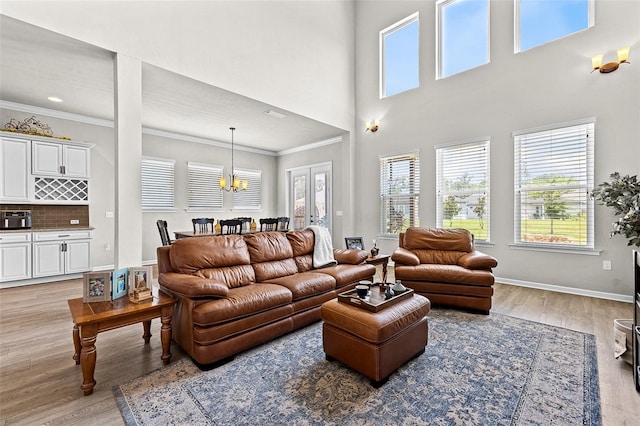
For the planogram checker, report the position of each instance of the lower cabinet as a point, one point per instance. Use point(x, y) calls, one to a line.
point(59, 253)
point(15, 256)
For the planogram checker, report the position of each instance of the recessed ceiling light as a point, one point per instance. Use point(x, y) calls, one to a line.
point(275, 114)
point(54, 99)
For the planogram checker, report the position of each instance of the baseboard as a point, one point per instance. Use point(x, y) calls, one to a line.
point(569, 290)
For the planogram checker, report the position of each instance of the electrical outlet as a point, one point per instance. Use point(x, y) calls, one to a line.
point(107, 247)
point(74, 221)
point(606, 265)
point(108, 214)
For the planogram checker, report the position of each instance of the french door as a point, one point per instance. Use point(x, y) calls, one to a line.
point(310, 196)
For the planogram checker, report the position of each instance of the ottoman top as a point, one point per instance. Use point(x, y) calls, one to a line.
point(375, 327)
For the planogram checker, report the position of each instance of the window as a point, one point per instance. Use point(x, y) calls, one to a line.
point(399, 65)
point(251, 199)
point(204, 186)
point(541, 21)
point(553, 177)
point(399, 192)
point(157, 183)
point(463, 35)
point(462, 183)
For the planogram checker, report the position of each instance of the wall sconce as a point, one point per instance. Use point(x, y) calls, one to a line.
point(372, 127)
point(596, 61)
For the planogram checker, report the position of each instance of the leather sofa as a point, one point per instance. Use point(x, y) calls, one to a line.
point(234, 292)
point(443, 265)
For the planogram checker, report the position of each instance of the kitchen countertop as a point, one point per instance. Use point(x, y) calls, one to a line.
point(70, 228)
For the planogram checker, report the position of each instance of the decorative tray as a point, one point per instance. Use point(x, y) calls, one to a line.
point(375, 300)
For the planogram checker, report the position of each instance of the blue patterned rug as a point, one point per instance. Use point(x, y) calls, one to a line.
point(476, 370)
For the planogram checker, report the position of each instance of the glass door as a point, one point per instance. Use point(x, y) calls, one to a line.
point(310, 196)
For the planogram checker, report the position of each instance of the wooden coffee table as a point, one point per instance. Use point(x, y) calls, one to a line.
point(89, 319)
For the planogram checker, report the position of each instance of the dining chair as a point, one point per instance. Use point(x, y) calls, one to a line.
point(269, 224)
point(246, 222)
point(164, 232)
point(203, 224)
point(283, 223)
point(231, 226)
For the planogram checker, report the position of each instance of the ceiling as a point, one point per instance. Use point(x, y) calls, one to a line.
point(36, 63)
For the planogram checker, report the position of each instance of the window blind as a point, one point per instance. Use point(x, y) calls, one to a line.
point(204, 186)
point(157, 183)
point(251, 199)
point(553, 177)
point(399, 192)
point(462, 185)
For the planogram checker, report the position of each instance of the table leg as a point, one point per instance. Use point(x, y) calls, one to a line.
point(76, 344)
point(165, 334)
point(88, 335)
point(384, 272)
point(147, 331)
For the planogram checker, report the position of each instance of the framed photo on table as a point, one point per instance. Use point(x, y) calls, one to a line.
point(140, 283)
point(354, 243)
point(96, 287)
point(120, 283)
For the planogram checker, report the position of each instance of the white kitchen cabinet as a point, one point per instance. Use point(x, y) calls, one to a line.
point(15, 256)
point(59, 159)
point(15, 180)
point(59, 253)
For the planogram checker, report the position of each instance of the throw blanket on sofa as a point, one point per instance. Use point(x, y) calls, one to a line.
point(323, 247)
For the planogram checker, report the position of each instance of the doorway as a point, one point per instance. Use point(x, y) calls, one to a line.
point(310, 196)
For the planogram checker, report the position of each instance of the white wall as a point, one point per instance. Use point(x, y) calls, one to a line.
point(545, 85)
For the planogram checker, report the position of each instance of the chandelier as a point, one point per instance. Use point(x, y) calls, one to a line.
point(234, 182)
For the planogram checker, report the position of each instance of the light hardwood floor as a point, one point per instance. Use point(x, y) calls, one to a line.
point(40, 383)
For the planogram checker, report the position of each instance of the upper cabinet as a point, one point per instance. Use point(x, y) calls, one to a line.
point(14, 175)
point(55, 159)
point(44, 170)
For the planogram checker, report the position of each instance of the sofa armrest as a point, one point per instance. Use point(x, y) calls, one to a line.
point(350, 256)
point(405, 257)
point(477, 260)
point(192, 286)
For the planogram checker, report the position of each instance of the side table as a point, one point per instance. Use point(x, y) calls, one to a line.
point(381, 259)
point(89, 319)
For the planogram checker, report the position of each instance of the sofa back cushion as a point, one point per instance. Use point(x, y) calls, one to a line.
point(438, 239)
point(302, 243)
point(271, 255)
point(222, 258)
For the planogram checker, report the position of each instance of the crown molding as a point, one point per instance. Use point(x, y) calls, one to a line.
point(56, 114)
point(310, 146)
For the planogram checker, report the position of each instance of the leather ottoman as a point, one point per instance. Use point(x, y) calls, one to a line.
point(375, 344)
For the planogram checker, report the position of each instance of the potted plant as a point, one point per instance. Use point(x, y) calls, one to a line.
point(622, 194)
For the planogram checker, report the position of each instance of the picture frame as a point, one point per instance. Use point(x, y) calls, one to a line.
point(140, 278)
point(354, 243)
point(96, 287)
point(119, 283)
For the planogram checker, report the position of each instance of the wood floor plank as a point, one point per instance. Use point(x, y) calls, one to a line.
point(40, 383)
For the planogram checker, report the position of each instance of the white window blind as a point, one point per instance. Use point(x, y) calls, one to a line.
point(157, 183)
point(553, 177)
point(399, 192)
point(462, 184)
point(251, 199)
point(204, 186)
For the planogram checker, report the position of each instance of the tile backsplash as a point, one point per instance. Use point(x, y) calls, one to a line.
point(53, 216)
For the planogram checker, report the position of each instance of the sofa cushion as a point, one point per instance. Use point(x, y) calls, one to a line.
point(444, 274)
point(444, 257)
point(350, 256)
point(438, 239)
point(302, 242)
point(305, 284)
point(271, 255)
point(241, 302)
point(347, 274)
point(220, 258)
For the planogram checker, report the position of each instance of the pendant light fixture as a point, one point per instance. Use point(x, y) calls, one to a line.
point(234, 182)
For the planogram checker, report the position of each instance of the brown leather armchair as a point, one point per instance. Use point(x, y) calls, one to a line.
point(443, 265)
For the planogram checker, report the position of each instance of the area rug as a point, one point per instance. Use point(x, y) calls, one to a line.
point(476, 370)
